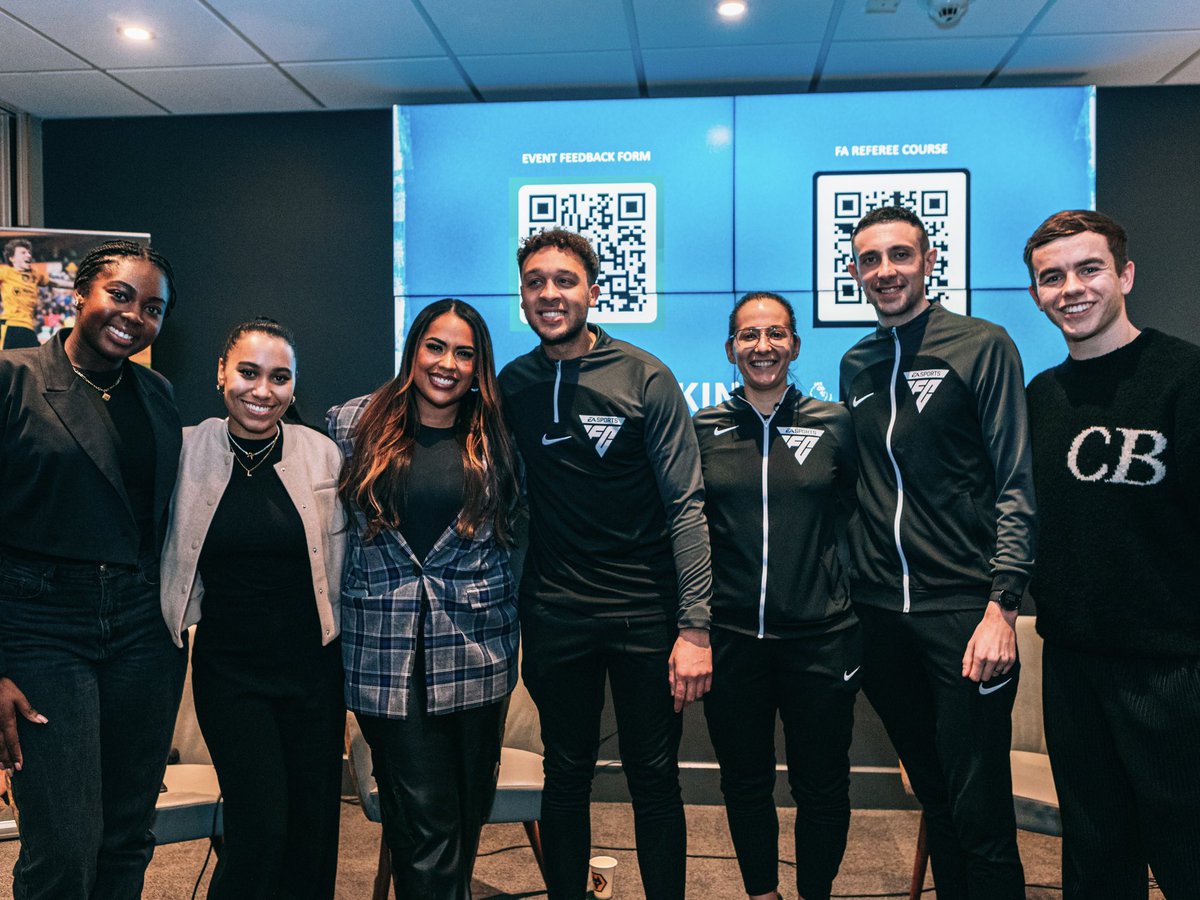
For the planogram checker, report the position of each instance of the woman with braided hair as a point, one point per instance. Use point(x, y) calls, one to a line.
point(89, 677)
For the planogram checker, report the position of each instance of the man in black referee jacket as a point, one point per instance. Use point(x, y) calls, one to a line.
point(617, 582)
point(1116, 462)
point(941, 549)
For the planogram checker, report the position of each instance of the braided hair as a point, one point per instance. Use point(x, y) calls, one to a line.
point(104, 255)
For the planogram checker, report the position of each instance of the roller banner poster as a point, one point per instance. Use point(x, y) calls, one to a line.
point(690, 203)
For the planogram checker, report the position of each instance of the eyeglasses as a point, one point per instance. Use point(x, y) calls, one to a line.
point(775, 334)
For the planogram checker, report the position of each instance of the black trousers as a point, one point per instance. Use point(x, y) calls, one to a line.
point(804, 681)
point(437, 780)
point(274, 727)
point(1124, 742)
point(567, 658)
point(953, 736)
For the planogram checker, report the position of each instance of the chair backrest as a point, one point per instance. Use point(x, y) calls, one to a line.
point(1028, 732)
point(522, 728)
point(187, 738)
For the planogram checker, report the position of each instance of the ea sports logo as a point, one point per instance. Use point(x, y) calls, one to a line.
point(602, 429)
point(801, 440)
point(923, 382)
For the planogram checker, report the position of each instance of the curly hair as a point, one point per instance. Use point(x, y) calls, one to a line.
point(568, 242)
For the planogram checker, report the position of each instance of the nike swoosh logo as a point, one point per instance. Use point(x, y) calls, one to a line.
point(547, 440)
point(846, 676)
point(857, 400)
point(991, 690)
point(719, 431)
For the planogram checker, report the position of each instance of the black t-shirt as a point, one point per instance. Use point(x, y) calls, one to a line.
point(129, 427)
point(258, 587)
point(433, 491)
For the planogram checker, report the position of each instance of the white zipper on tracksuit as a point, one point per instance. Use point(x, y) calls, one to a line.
point(766, 451)
point(896, 469)
point(557, 382)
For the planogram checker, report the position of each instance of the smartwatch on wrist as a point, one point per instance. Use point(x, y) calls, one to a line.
point(1008, 600)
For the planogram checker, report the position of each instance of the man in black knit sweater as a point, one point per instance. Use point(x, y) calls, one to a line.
point(1116, 453)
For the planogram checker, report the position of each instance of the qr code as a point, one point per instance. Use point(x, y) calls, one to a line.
point(940, 197)
point(621, 221)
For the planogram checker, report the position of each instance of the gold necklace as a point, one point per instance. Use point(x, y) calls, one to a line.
point(265, 451)
point(105, 392)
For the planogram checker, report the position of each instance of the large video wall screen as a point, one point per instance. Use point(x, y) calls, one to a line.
point(692, 202)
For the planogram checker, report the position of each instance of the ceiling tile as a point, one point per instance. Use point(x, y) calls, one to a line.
point(200, 90)
point(480, 27)
point(72, 95)
point(553, 76)
point(1083, 16)
point(1104, 59)
point(23, 50)
point(381, 82)
point(320, 30)
point(731, 69)
point(911, 20)
point(186, 34)
point(688, 23)
point(969, 58)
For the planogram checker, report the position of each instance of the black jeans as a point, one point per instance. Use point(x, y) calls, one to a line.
point(274, 725)
point(1124, 740)
point(752, 681)
point(566, 660)
point(953, 736)
point(437, 780)
point(88, 646)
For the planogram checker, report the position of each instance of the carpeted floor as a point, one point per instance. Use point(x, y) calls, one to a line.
point(878, 859)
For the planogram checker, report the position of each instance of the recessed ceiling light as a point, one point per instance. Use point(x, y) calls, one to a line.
point(731, 9)
point(134, 33)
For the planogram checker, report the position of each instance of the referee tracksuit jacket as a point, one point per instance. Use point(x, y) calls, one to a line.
point(778, 489)
point(946, 504)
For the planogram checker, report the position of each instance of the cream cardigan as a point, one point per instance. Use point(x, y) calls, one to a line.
point(309, 471)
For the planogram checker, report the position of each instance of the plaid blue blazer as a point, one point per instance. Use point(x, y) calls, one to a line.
point(470, 626)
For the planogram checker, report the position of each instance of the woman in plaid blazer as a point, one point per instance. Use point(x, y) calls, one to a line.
point(429, 612)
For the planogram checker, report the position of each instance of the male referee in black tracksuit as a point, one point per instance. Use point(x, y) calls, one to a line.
point(942, 550)
point(617, 581)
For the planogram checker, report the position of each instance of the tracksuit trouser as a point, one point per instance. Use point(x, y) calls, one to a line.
point(567, 658)
point(953, 736)
point(810, 683)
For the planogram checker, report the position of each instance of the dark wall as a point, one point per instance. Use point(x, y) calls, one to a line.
point(286, 215)
point(1147, 178)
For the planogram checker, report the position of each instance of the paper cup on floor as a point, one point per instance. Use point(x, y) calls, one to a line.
point(603, 869)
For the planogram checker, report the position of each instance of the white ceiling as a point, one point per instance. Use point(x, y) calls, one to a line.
point(65, 58)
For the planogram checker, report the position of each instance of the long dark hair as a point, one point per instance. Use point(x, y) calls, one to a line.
point(374, 477)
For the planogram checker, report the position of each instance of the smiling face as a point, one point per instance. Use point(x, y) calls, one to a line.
point(443, 369)
point(120, 315)
point(555, 296)
point(763, 362)
point(257, 377)
point(1077, 284)
point(891, 269)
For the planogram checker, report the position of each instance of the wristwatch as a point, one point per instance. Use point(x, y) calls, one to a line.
point(1009, 601)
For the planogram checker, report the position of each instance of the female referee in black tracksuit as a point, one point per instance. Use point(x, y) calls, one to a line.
point(779, 474)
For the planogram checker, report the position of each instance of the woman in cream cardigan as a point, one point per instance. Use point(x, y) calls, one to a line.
point(254, 555)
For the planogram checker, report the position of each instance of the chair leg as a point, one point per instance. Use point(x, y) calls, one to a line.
point(383, 874)
point(534, 832)
point(920, 863)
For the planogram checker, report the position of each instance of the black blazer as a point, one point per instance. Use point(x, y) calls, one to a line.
point(61, 491)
